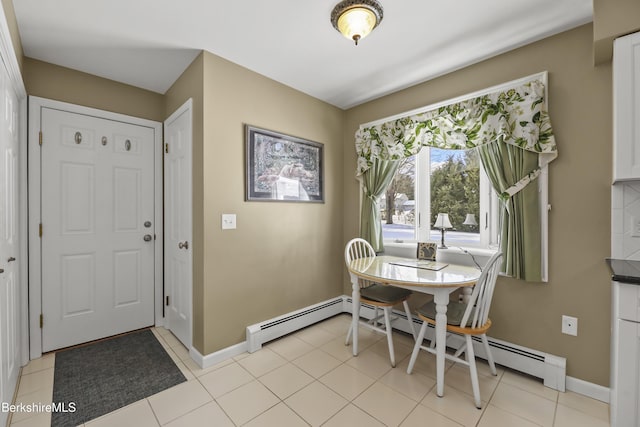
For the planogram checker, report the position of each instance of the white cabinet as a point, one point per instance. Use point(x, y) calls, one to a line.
point(625, 357)
point(626, 108)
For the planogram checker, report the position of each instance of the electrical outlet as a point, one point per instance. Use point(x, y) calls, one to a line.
point(570, 325)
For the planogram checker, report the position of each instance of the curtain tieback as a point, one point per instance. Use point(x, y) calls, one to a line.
point(520, 185)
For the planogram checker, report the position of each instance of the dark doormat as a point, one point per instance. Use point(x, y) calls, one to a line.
point(98, 378)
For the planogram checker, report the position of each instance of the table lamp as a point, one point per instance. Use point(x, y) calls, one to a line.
point(470, 220)
point(442, 222)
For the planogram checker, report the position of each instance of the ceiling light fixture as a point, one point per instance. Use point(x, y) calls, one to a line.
point(356, 18)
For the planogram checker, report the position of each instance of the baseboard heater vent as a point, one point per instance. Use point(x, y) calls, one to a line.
point(551, 369)
point(269, 330)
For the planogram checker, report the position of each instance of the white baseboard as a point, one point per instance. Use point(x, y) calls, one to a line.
point(218, 356)
point(588, 389)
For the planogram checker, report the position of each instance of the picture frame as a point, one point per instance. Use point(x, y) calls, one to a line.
point(427, 251)
point(283, 168)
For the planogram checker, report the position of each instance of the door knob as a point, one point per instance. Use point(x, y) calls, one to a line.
point(11, 259)
point(1, 270)
point(183, 245)
point(147, 238)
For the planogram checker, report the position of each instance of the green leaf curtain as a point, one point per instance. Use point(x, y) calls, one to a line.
point(375, 181)
point(515, 117)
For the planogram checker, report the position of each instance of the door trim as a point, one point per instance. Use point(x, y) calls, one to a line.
point(35, 254)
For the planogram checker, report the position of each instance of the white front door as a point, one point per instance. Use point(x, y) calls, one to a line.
point(97, 214)
point(9, 247)
point(178, 231)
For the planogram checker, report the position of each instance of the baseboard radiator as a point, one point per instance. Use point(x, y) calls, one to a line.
point(261, 333)
point(551, 369)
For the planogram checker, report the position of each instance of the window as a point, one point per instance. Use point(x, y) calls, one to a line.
point(447, 181)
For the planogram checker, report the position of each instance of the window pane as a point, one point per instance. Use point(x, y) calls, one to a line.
point(455, 189)
point(398, 204)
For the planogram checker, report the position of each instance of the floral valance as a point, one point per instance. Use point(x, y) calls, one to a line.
point(515, 116)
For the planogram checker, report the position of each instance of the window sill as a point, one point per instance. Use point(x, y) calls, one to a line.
point(451, 250)
point(453, 254)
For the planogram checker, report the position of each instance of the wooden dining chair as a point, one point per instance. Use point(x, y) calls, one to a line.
point(379, 296)
point(468, 319)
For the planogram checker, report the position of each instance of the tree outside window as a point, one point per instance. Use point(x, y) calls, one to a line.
point(450, 181)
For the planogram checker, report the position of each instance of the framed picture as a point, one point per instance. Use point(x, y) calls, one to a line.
point(283, 168)
point(427, 250)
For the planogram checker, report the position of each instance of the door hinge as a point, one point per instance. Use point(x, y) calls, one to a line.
point(167, 301)
point(41, 320)
point(40, 138)
point(40, 230)
point(166, 148)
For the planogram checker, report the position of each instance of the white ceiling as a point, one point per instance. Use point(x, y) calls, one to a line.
point(149, 43)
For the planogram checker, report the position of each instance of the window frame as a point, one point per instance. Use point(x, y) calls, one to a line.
point(487, 221)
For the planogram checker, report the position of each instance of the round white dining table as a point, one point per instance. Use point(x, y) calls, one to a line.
point(429, 277)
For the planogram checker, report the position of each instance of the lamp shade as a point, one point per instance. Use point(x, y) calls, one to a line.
point(442, 221)
point(355, 19)
point(470, 220)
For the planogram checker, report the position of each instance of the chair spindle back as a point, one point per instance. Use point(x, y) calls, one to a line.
point(483, 293)
point(359, 248)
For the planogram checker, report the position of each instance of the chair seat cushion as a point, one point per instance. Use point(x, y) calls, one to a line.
point(455, 311)
point(384, 294)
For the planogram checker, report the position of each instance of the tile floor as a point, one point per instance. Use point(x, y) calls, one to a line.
point(311, 378)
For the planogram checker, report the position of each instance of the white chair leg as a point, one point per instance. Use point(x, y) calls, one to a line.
point(416, 347)
point(389, 330)
point(409, 318)
point(473, 371)
point(460, 350)
point(346, 342)
point(487, 350)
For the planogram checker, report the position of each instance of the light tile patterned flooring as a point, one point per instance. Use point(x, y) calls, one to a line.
point(311, 378)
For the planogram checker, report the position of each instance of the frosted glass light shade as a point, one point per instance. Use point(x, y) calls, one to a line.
point(355, 19)
point(442, 221)
point(355, 24)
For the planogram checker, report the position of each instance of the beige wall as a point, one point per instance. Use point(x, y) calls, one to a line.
point(282, 256)
point(529, 314)
point(612, 19)
point(64, 84)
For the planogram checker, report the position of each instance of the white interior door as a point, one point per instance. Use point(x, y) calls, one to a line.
point(97, 214)
point(9, 244)
point(178, 223)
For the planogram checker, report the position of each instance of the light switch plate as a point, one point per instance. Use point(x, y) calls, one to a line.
point(228, 221)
